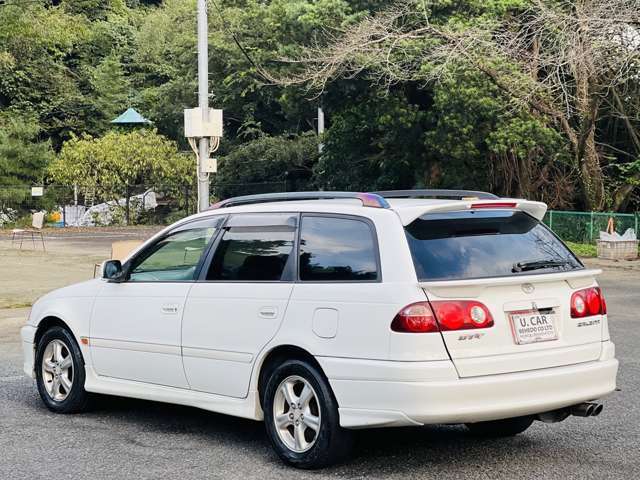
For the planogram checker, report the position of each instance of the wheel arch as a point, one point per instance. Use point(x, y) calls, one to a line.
point(46, 323)
point(279, 354)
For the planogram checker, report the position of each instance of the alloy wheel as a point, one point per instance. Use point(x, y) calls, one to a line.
point(296, 413)
point(57, 370)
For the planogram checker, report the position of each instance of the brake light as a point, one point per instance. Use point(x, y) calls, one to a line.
point(588, 302)
point(424, 317)
point(415, 318)
point(494, 205)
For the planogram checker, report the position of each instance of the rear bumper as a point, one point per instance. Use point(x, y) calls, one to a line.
point(444, 398)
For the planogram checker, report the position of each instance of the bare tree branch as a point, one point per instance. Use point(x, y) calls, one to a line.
point(559, 59)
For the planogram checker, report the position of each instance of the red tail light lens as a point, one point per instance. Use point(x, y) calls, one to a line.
point(495, 205)
point(462, 315)
point(415, 318)
point(423, 317)
point(588, 302)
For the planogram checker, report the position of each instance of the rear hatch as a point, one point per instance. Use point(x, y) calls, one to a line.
point(525, 276)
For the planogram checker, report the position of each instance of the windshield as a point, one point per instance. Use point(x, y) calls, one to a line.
point(487, 243)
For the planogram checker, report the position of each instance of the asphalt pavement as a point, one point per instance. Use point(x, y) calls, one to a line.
point(131, 439)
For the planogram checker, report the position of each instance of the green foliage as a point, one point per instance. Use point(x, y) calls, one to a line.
point(23, 160)
point(35, 44)
point(373, 144)
point(583, 249)
point(283, 162)
point(471, 125)
point(112, 88)
point(67, 69)
point(113, 165)
point(23, 157)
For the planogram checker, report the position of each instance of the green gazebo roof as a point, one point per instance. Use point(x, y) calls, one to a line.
point(131, 117)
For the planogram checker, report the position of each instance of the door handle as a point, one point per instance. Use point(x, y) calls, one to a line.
point(170, 308)
point(268, 312)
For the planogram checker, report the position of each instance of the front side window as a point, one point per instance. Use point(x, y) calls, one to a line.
point(174, 258)
point(256, 253)
point(337, 249)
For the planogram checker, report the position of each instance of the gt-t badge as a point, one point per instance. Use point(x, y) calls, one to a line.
point(471, 336)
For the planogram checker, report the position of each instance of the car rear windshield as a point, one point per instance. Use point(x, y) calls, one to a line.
point(487, 243)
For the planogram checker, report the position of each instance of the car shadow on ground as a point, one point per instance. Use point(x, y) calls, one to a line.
point(376, 451)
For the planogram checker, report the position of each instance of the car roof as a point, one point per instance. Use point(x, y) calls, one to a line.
point(408, 209)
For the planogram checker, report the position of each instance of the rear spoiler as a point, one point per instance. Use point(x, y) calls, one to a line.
point(575, 278)
point(537, 210)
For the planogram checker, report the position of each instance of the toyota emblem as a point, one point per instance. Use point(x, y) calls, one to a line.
point(528, 288)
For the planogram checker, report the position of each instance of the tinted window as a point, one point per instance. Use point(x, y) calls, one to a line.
point(174, 258)
point(476, 244)
point(337, 249)
point(251, 254)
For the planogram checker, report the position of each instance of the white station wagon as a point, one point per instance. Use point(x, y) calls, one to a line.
point(324, 312)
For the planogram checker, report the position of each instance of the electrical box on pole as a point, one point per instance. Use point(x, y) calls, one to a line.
point(195, 127)
point(210, 165)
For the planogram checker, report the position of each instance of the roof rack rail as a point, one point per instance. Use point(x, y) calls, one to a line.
point(367, 199)
point(437, 193)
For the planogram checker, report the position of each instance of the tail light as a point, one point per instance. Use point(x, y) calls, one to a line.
point(423, 317)
point(588, 302)
point(415, 318)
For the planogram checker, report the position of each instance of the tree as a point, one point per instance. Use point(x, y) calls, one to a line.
point(373, 143)
point(120, 164)
point(278, 163)
point(35, 45)
point(112, 89)
point(561, 60)
point(476, 139)
point(23, 157)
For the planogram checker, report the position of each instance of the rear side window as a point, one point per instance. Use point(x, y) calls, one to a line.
point(480, 244)
point(252, 254)
point(337, 249)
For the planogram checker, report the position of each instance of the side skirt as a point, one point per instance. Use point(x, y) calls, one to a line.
point(248, 407)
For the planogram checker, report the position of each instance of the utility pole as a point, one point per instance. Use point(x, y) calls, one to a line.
point(320, 127)
point(203, 103)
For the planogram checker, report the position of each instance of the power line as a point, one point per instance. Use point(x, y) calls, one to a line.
point(228, 31)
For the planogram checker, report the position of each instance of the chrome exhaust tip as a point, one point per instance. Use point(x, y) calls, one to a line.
point(597, 409)
point(586, 409)
point(582, 409)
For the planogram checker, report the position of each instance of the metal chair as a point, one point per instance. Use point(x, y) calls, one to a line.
point(37, 223)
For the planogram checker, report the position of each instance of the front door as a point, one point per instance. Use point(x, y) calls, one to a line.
point(238, 305)
point(135, 328)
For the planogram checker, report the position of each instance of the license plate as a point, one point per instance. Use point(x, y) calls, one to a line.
point(533, 326)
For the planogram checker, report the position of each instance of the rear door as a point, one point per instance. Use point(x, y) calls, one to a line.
point(524, 275)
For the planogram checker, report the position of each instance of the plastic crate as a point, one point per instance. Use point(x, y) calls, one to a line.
point(622, 250)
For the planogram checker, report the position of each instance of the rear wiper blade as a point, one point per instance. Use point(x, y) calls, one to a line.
point(537, 265)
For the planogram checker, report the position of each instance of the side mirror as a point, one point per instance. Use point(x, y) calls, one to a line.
point(112, 270)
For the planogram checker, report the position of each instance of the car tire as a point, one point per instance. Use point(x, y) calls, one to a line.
point(500, 428)
point(293, 389)
point(60, 372)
